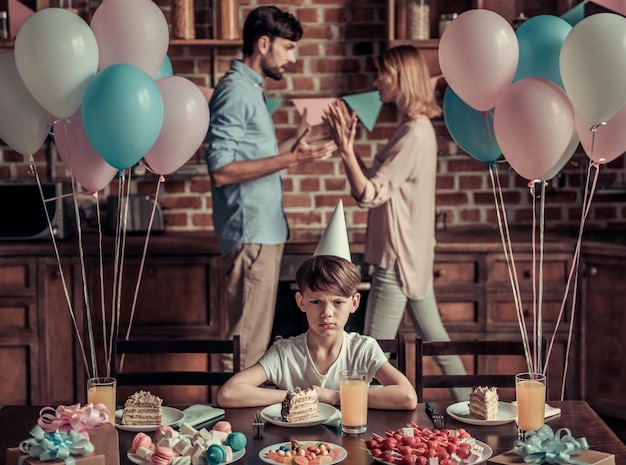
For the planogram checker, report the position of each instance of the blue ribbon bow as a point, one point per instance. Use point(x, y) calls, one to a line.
point(546, 446)
point(52, 446)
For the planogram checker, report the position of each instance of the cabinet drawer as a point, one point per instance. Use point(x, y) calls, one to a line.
point(17, 277)
point(461, 272)
point(554, 271)
point(504, 311)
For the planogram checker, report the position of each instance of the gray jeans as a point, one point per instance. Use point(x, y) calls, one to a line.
point(385, 307)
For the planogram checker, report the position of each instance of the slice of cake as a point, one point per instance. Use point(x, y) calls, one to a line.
point(142, 408)
point(483, 403)
point(299, 405)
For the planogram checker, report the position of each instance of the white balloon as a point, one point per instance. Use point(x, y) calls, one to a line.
point(24, 123)
point(593, 66)
point(56, 54)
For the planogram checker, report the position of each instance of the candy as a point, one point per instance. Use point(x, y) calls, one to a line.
point(215, 454)
point(237, 441)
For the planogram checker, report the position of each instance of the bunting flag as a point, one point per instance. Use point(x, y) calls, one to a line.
point(574, 15)
point(18, 14)
point(272, 104)
point(618, 6)
point(314, 108)
point(367, 106)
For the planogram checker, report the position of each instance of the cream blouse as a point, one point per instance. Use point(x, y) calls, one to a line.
point(400, 194)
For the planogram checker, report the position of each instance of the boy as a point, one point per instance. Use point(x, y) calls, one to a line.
point(328, 296)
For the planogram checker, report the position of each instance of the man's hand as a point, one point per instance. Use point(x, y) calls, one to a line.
point(306, 152)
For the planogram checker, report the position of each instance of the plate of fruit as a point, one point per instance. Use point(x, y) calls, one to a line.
point(307, 452)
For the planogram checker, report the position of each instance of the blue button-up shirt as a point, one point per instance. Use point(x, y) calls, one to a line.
point(241, 128)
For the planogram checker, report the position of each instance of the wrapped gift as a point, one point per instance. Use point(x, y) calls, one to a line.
point(591, 457)
point(16, 457)
point(106, 442)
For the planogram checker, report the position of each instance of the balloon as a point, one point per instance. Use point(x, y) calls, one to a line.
point(478, 55)
point(207, 92)
point(185, 124)
point(56, 55)
point(540, 39)
point(133, 32)
point(471, 129)
point(24, 123)
point(593, 67)
point(122, 114)
point(534, 123)
point(609, 141)
point(165, 70)
point(567, 155)
point(81, 159)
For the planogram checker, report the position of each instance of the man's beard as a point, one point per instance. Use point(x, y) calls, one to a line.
point(271, 71)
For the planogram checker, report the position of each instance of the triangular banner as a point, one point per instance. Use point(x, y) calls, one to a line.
point(272, 104)
point(334, 241)
point(314, 108)
point(367, 106)
point(618, 6)
point(18, 14)
point(574, 15)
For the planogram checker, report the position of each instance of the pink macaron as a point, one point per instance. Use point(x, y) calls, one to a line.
point(162, 455)
point(141, 440)
point(223, 426)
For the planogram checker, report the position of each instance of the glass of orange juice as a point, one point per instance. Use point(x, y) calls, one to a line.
point(530, 393)
point(102, 391)
point(353, 388)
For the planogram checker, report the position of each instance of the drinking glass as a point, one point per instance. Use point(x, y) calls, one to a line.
point(530, 393)
point(353, 388)
point(102, 391)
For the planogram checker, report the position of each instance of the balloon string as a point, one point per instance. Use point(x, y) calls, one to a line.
point(489, 125)
point(119, 252)
point(539, 322)
point(508, 254)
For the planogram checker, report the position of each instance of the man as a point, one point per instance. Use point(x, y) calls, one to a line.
point(244, 161)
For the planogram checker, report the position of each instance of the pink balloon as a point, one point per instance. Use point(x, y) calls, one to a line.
point(79, 156)
point(534, 124)
point(131, 31)
point(609, 141)
point(207, 91)
point(478, 55)
point(185, 124)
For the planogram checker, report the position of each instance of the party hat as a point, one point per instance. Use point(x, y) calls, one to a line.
point(334, 241)
point(273, 104)
point(367, 106)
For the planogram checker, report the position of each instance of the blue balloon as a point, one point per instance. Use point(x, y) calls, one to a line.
point(540, 39)
point(165, 70)
point(470, 128)
point(122, 114)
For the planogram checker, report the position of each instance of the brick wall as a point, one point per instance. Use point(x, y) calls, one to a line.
point(335, 60)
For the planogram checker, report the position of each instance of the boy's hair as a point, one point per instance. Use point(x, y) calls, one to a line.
point(409, 72)
point(329, 273)
point(272, 22)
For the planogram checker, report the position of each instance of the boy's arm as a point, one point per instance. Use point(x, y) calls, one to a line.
point(244, 390)
point(396, 393)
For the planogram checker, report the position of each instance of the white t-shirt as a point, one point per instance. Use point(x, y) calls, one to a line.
point(288, 363)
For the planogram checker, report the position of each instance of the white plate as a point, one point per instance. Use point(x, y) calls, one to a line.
point(460, 411)
point(485, 454)
point(138, 460)
point(272, 415)
point(171, 416)
point(342, 452)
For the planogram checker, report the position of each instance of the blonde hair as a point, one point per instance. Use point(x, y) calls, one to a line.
point(409, 73)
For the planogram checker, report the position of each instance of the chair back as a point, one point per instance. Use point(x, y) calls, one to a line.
point(478, 350)
point(161, 377)
point(396, 350)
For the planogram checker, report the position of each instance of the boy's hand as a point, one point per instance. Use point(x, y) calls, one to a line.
point(327, 396)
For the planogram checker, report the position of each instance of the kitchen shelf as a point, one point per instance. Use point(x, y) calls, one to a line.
point(207, 42)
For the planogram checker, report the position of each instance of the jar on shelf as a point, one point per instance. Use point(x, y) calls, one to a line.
point(183, 21)
point(445, 20)
point(69, 5)
point(4, 25)
point(418, 19)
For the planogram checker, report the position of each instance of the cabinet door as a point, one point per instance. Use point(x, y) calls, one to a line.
point(604, 310)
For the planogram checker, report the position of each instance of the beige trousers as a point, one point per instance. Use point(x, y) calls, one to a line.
point(251, 274)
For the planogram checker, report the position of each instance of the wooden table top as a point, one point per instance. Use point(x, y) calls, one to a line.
point(16, 422)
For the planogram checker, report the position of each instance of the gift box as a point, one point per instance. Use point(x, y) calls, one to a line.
point(106, 442)
point(591, 457)
point(14, 454)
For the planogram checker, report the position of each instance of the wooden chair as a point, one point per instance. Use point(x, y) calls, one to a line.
point(396, 350)
point(478, 350)
point(161, 346)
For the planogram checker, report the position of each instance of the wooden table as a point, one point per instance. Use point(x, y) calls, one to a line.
point(16, 422)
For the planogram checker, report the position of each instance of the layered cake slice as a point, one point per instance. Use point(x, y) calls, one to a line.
point(483, 403)
point(300, 404)
point(142, 408)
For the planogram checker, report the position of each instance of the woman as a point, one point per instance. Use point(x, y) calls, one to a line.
point(399, 191)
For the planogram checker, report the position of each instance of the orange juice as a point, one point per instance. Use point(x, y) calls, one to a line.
point(353, 398)
point(102, 391)
point(531, 399)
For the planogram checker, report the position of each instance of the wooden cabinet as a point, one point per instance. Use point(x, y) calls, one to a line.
point(603, 313)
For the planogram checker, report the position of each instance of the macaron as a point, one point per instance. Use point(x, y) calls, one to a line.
point(223, 426)
point(162, 455)
point(215, 454)
point(237, 441)
point(141, 440)
point(162, 431)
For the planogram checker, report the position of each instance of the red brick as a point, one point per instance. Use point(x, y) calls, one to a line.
point(309, 184)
